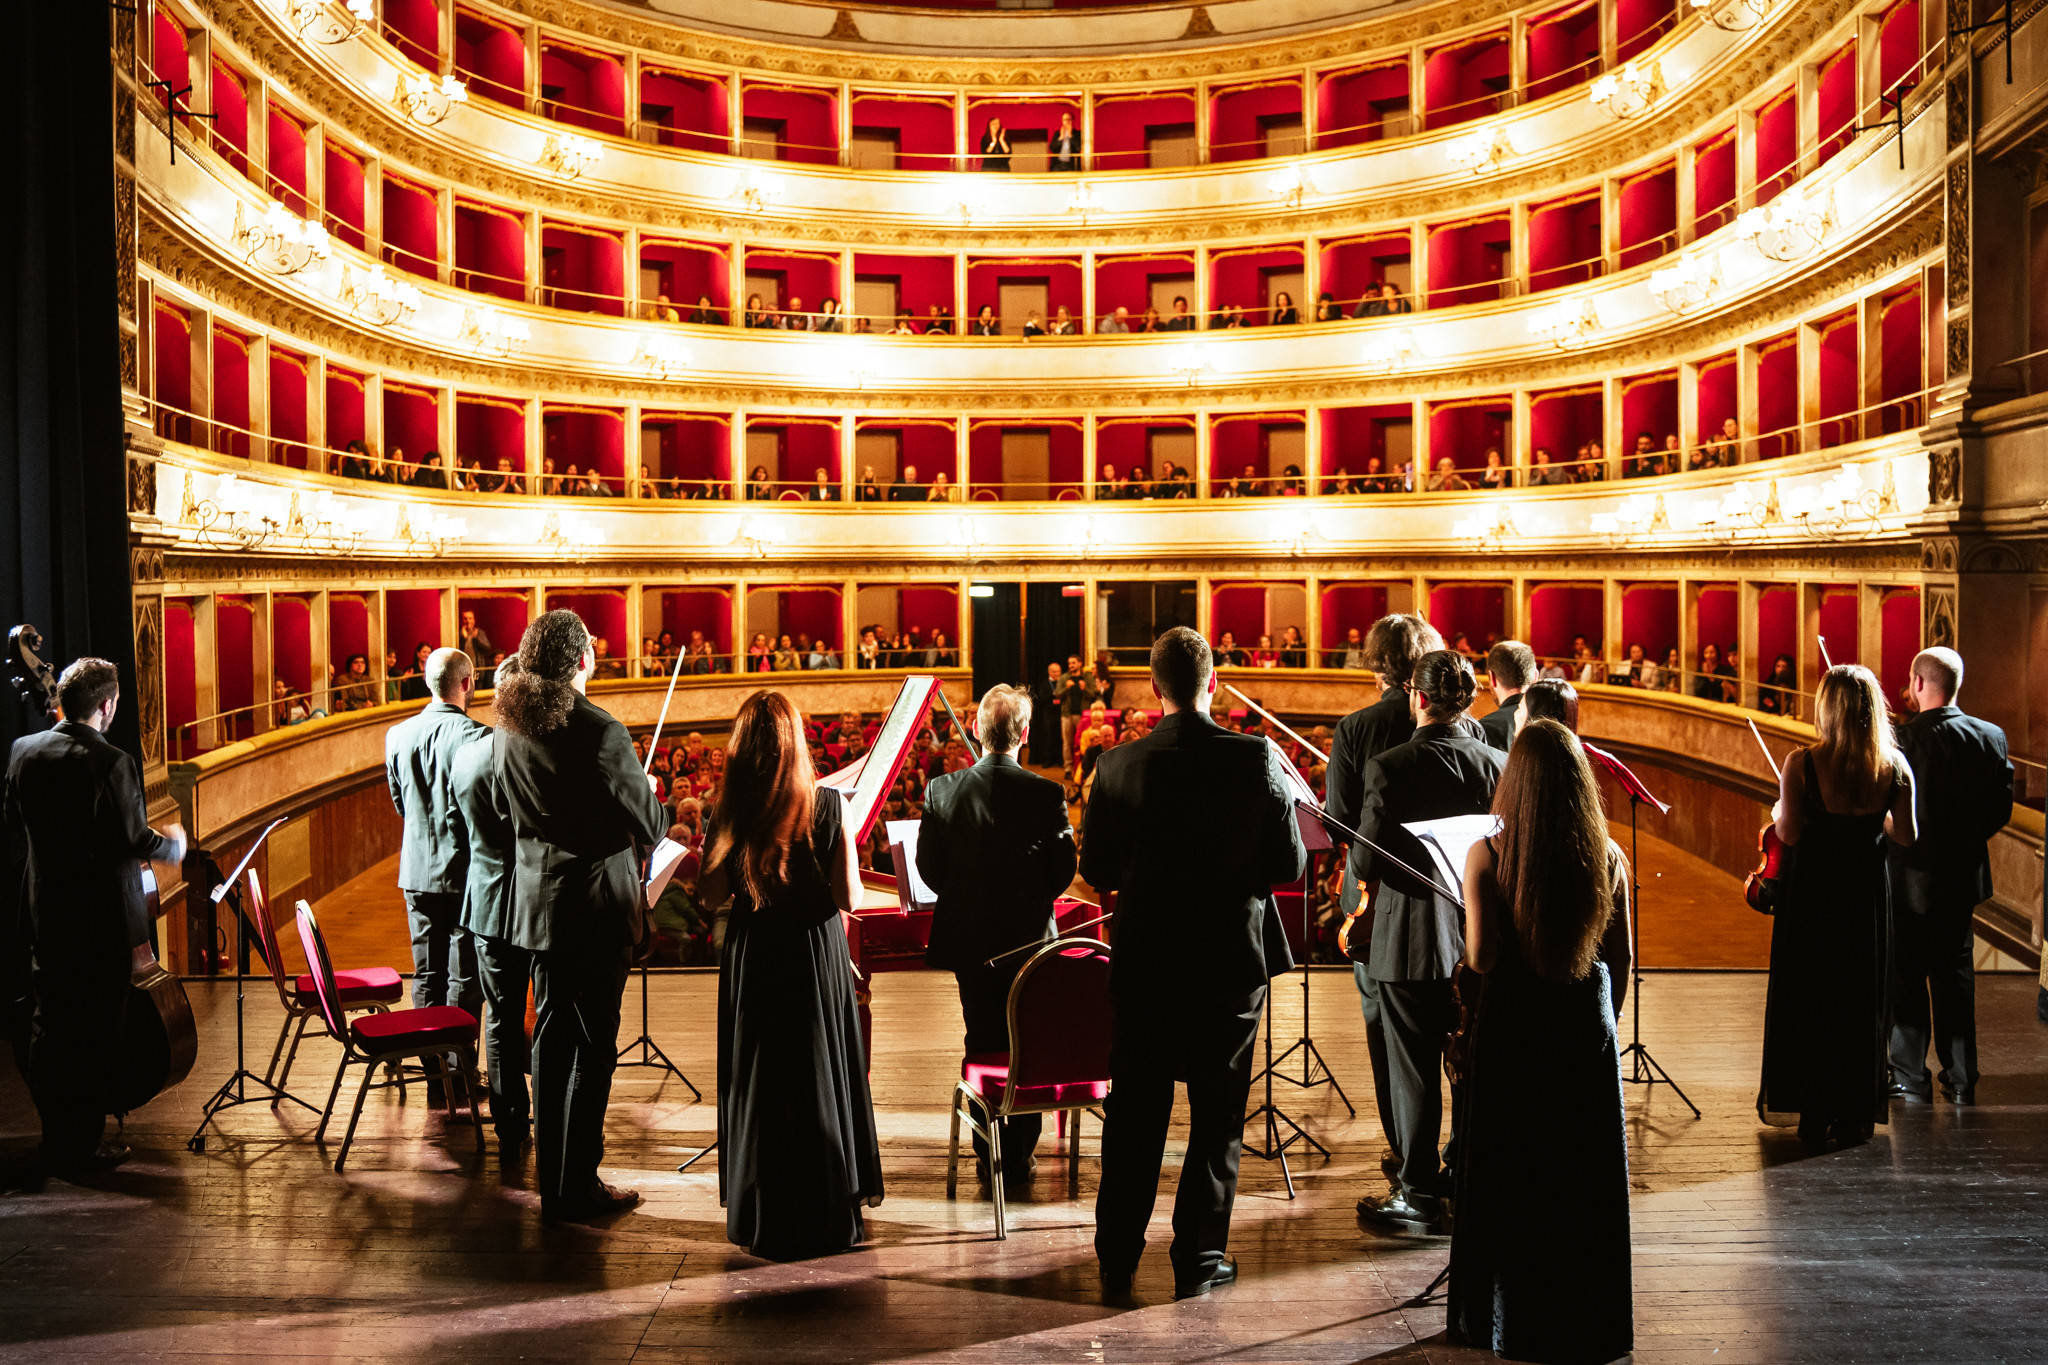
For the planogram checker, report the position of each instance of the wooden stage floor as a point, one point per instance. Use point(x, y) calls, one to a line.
point(1927, 1244)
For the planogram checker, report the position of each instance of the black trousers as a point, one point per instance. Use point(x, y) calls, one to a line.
point(1376, 1051)
point(1419, 1016)
point(81, 1001)
point(1932, 962)
point(1208, 1045)
point(443, 954)
point(504, 970)
point(985, 1006)
point(575, 1050)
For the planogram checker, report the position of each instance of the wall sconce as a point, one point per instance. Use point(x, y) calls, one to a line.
point(1191, 363)
point(972, 204)
point(965, 534)
point(376, 298)
point(282, 243)
point(1487, 532)
point(1294, 531)
point(427, 101)
point(1740, 511)
point(489, 332)
point(568, 155)
point(1091, 535)
point(324, 21)
point(568, 536)
point(1789, 226)
point(1291, 185)
point(1568, 325)
point(1385, 355)
point(1732, 16)
point(661, 357)
point(755, 191)
point(232, 519)
point(432, 536)
point(1483, 151)
point(1689, 284)
point(1084, 201)
point(759, 535)
point(1636, 518)
point(1630, 93)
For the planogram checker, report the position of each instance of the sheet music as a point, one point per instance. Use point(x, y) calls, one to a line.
point(1450, 841)
point(903, 846)
point(1314, 833)
point(661, 867)
point(866, 790)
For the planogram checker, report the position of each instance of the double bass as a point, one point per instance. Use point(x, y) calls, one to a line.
point(159, 1040)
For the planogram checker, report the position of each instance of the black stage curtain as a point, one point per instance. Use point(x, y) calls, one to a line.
point(63, 502)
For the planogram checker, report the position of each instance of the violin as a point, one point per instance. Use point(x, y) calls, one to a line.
point(1466, 983)
point(1763, 886)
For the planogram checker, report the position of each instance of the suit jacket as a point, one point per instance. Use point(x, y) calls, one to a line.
point(418, 757)
point(1499, 723)
point(1362, 736)
point(78, 801)
point(1192, 827)
point(487, 838)
point(1443, 770)
point(996, 849)
point(1962, 795)
point(580, 810)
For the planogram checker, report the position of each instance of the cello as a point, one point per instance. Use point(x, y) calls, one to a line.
point(1773, 855)
point(159, 1040)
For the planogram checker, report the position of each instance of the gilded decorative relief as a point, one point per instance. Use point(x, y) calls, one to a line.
point(149, 682)
point(1939, 617)
point(1958, 234)
point(1945, 481)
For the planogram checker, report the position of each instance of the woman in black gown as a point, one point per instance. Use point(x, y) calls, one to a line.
point(1540, 1247)
point(798, 1155)
point(1827, 1016)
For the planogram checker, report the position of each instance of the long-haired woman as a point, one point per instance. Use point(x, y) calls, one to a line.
point(1826, 1019)
point(1546, 900)
point(798, 1155)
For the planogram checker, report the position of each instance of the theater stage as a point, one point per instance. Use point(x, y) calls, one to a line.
point(1924, 1245)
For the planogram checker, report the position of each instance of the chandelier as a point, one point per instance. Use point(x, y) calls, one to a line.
point(281, 242)
point(1483, 151)
point(489, 332)
point(1385, 355)
point(427, 101)
point(1568, 325)
point(1732, 16)
point(661, 357)
point(376, 298)
point(1789, 226)
point(324, 21)
point(1630, 93)
point(1688, 285)
point(569, 155)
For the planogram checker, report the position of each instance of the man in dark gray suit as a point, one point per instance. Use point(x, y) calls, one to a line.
point(1962, 783)
point(996, 848)
point(419, 758)
point(1512, 666)
point(581, 811)
point(503, 967)
point(76, 800)
point(1192, 827)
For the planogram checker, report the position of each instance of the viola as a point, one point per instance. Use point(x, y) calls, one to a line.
point(1763, 886)
point(1466, 983)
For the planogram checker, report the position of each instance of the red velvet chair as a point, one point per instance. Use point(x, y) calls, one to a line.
point(1058, 1062)
point(386, 1039)
point(363, 990)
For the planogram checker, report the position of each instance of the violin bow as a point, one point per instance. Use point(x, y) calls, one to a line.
point(1276, 721)
point(1432, 883)
point(1825, 660)
point(659, 720)
point(1766, 748)
point(1040, 943)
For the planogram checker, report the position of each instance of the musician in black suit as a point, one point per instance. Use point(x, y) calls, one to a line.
point(1192, 826)
point(581, 811)
point(1510, 666)
point(1393, 647)
point(1963, 788)
point(503, 967)
point(419, 757)
point(77, 802)
point(997, 850)
point(1418, 935)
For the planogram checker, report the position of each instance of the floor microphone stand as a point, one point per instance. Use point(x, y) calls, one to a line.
point(1275, 1147)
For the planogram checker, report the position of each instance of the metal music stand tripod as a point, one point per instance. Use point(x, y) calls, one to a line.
point(235, 1090)
point(1275, 1147)
point(1644, 1069)
point(651, 1055)
point(1312, 1060)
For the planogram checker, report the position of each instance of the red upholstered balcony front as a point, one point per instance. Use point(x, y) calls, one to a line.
point(428, 1029)
point(366, 986)
point(989, 1072)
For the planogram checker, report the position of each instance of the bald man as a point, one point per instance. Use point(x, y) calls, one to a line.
point(433, 868)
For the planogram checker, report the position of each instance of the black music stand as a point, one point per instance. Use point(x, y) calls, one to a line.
point(1644, 1069)
point(651, 1055)
point(1275, 1147)
point(1312, 1059)
point(235, 1089)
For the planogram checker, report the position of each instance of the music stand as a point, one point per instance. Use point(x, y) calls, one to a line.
point(1275, 1148)
point(1316, 839)
point(235, 1089)
point(1644, 1069)
point(651, 1056)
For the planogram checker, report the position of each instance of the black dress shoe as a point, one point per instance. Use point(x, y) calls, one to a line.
point(608, 1200)
point(1909, 1095)
point(1417, 1217)
point(1018, 1182)
point(104, 1157)
point(1224, 1273)
point(1962, 1098)
point(1116, 1284)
